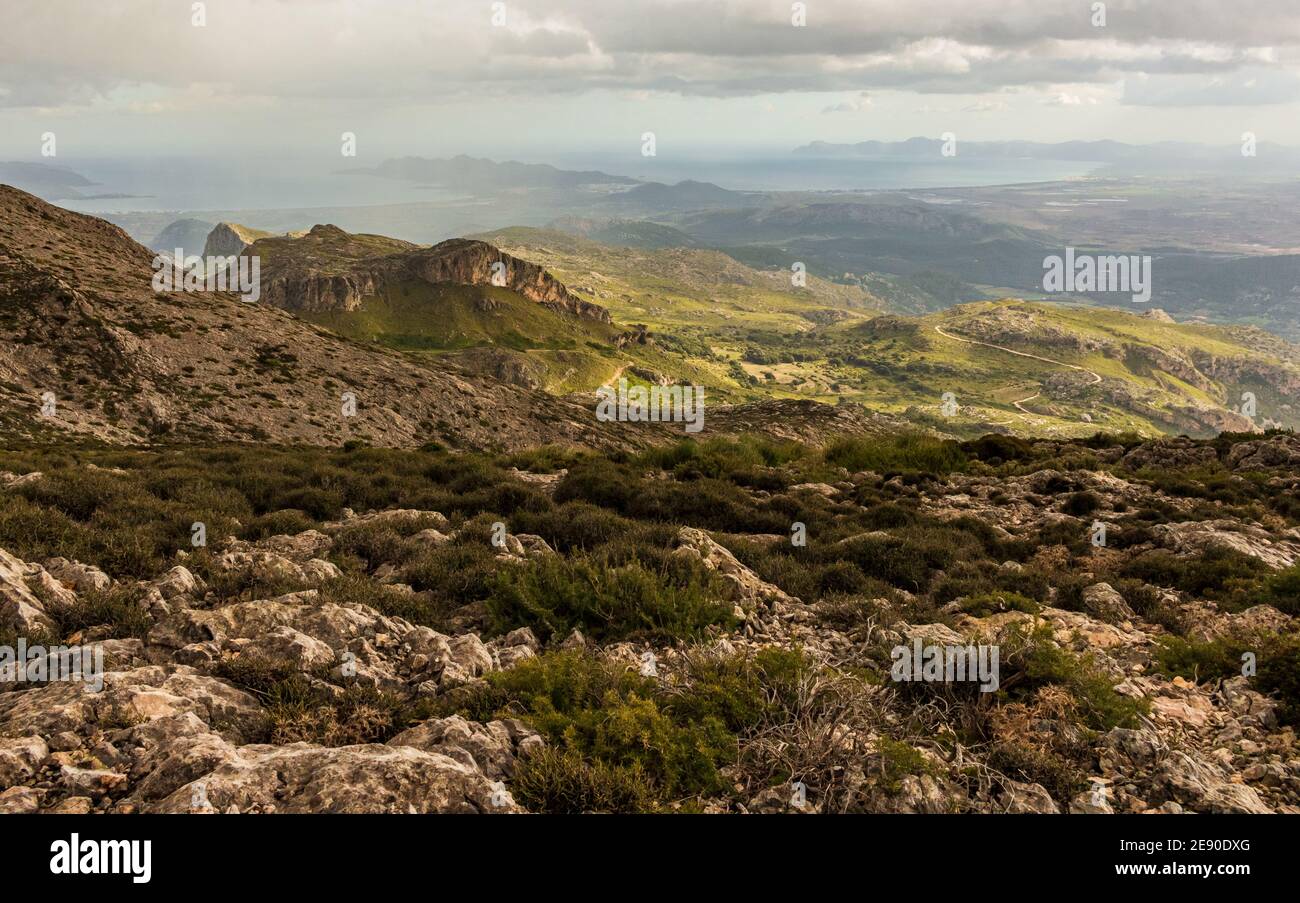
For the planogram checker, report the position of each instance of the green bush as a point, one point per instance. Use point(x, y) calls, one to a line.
point(563, 782)
point(614, 721)
point(1282, 591)
point(1226, 576)
point(996, 603)
point(622, 742)
point(460, 572)
point(554, 595)
point(1031, 659)
point(1277, 663)
point(118, 608)
point(911, 452)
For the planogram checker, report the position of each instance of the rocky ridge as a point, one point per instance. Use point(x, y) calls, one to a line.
point(309, 274)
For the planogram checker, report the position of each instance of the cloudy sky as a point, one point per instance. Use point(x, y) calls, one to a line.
point(527, 77)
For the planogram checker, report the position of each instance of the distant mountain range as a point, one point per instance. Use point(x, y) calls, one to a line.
point(1165, 152)
point(479, 174)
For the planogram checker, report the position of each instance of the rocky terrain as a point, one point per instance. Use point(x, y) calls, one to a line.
point(325, 575)
point(420, 631)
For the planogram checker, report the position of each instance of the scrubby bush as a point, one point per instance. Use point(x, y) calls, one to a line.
point(1282, 591)
point(461, 572)
point(564, 782)
point(554, 595)
point(910, 452)
point(996, 603)
point(1276, 658)
point(300, 707)
point(622, 742)
point(1224, 575)
point(118, 611)
point(1031, 659)
point(1081, 504)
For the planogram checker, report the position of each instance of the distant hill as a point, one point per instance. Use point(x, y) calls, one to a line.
point(492, 312)
point(624, 232)
point(330, 269)
point(231, 239)
point(190, 235)
point(673, 288)
point(479, 174)
point(1051, 368)
point(931, 255)
point(762, 338)
point(687, 195)
point(53, 183)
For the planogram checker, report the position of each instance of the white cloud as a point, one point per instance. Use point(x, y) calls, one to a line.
point(859, 104)
point(987, 106)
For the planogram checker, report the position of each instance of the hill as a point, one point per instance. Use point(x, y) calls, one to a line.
point(190, 235)
point(760, 338)
point(681, 288)
point(480, 174)
point(122, 363)
point(1050, 369)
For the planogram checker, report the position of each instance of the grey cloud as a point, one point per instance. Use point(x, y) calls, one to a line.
point(70, 52)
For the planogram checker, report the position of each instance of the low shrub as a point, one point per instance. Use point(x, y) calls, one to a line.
point(554, 595)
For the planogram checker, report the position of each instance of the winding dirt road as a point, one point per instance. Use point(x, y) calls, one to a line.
point(1019, 405)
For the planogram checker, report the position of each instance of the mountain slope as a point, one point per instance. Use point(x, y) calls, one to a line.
point(477, 174)
point(678, 288)
point(78, 319)
point(1038, 368)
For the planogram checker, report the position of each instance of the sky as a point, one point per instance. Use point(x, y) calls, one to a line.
point(525, 79)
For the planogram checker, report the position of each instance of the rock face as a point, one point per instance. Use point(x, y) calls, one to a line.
point(230, 240)
point(19, 606)
point(298, 274)
point(1252, 540)
point(746, 587)
point(1102, 602)
point(1279, 451)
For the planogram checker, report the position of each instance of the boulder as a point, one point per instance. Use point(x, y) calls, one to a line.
point(303, 778)
point(1103, 602)
point(746, 586)
point(19, 606)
